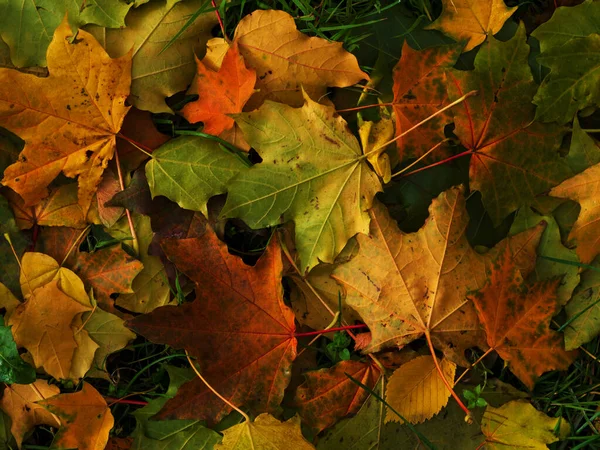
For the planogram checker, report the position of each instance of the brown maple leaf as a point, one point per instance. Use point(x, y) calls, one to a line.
point(68, 120)
point(327, 395)
point(516, 318)
point(238, 327)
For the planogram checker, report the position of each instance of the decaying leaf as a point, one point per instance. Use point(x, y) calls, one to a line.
point(85, 419)
point(69, 120)
point(327, 395)
point(516, 319)
point(251, 366)
point(417, 391)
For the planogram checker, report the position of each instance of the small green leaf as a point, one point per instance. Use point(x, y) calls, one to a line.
point(12, 368)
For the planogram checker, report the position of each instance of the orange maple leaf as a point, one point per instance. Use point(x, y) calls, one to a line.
point(221, 93)
point(516, 319)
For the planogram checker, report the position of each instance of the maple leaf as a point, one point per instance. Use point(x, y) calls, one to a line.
point(327, 198)
point(568, 23)
point(27, 27)
point(472, 20)
point(69, 120)
point(43, 326)
point(246, 354)
point(190, 169)
point(495, 125)
point(420, 91)
point(266, 432)
point(286, 59)
point(85, 419)
point(158, 74)
point(417, 391)
point(517, 424)
point(584, 189)
point(221, 93)
point(327, 395)
point(106, 271)
point(583, 311)
point(405, 286)
point(516, 319)
point(19, 401)
point(61, 207)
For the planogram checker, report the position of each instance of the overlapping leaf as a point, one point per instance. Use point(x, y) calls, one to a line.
point(68, 120)
point(496, 125)
point(516, 318)
point(246, 353)
point(312, 172)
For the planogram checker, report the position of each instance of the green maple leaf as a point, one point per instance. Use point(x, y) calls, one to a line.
point(27, 27)
point(313, 172)
point(513, 160)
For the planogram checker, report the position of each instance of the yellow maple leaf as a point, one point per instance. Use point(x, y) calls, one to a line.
point(417, 391)
point(472, 20)
point(266, 433)
point(42, 325)
point(69, 120)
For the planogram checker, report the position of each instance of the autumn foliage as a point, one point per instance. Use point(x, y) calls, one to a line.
point(316, 248)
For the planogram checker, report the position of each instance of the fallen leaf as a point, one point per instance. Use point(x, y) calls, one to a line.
point(69, 120)
point(190, 169)
point(156, 75)
point(8, 302)
point(111, 335)
point(516, 317)
point(417, 391)
point(19, 401)
point(405, 286)
point(327, 395)
point(583, 311)
point(42, 325)
point(108, 187)
point(266, 432)
point(584, 189)
point(27, 27)
point(497, 123)
point(85, 419)
point(472, 20)
point(373, 137)
point(220, 93)
point(286, 60)
point(12, 367)
point(58, 242)
point(252, 366)
point(419, 92)
point(517, 424)
point(327, 198)
point(107, 271)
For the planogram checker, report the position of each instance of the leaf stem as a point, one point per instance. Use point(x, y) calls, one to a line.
point(74, 244)
point(214, 5)
point(136, 246)
point(438, 163)
point(124, 401)
point(422, 157)
point(469, 417)
point(360, 108)
point(147, 151)
point(227, 402)
point(489, 350)
point(427, 119)
point(329, 330)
